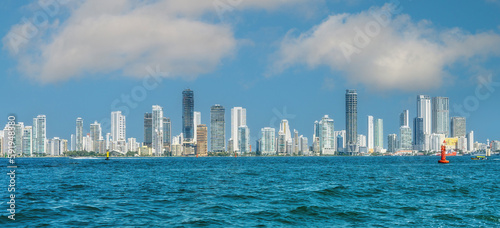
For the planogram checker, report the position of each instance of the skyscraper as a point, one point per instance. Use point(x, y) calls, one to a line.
point(167, 132)
point(196, 122)
point(244, 139)
point(326, 136)
point(95, 135)
point(188, 115)
point(440, 115)
point(470, 141)
point(201, 140)
point(392, 143)
point(157, 130)
point(238, 118)
point(268, 141)
point(148, 129)
point(458, 127)
point(79, 134)
point(404, 118)
point(28, 141)
point(378, 136)
point(40, 141)
point(118, 126)
point(18, 138)
point(217, 128)
point(424, 112)
point(418, 133)
point(351, 103)
point(405, 138)
point(285, 128)
point(370, 134)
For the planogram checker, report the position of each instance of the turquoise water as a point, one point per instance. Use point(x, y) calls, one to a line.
point(249, 192)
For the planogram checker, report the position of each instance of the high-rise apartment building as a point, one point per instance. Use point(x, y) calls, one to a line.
point(196, 122)
point(404, 118)
point(157, 130)
point(378, 136)
point(370, 135)
point(238, 118)
point(188, 115)
point(79, 134)
point(201, 140)
point(440, 115)
point(40, 135)
point(217, 128)
point(268, 141)
point(244, 139)
point(458, 127)
point(351, 103)
point(148, 129)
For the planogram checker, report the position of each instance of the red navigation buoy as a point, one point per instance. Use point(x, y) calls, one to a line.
point(443, 153)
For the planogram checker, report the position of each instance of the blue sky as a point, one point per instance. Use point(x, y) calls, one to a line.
point(275, 58)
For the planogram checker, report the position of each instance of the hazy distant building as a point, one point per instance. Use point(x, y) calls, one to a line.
point(27, 141)
point(167, 134)
point(244, 139)
point(79, 134)
point(95, 135)
point(378, 136)
point(418, 133)
point(470, 141)
point(351, 102)
point(201, 140)
point(404, 118)
point(148, 129)
point(392, 143)
point(18, 138)
point(361, 140)
point(281, 150)
point(370, 135)
point(238, 119)
point(440, 115)
point(188, 115)
point(268, 141)
point(217, 128)
point(458, 127)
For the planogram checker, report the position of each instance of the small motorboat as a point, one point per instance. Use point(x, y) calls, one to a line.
point(479, 158)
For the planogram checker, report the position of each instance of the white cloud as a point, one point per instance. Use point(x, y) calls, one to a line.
point(126, 36)
point(385, 51)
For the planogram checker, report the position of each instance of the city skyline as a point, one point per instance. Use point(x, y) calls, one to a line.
point(325, 140)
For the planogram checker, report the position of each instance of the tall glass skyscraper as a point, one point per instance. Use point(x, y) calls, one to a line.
point(440, 115)
point(351, 107)
point(148, 129)
point(188, 114)
point(405, 138)
point(244, 139)
point(79, 134)
point(157, 131)
point(404, 118)
point(418, 133)
point(217, 128)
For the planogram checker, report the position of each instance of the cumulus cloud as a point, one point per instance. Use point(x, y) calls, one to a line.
point(384, 49)
point(126, 36)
